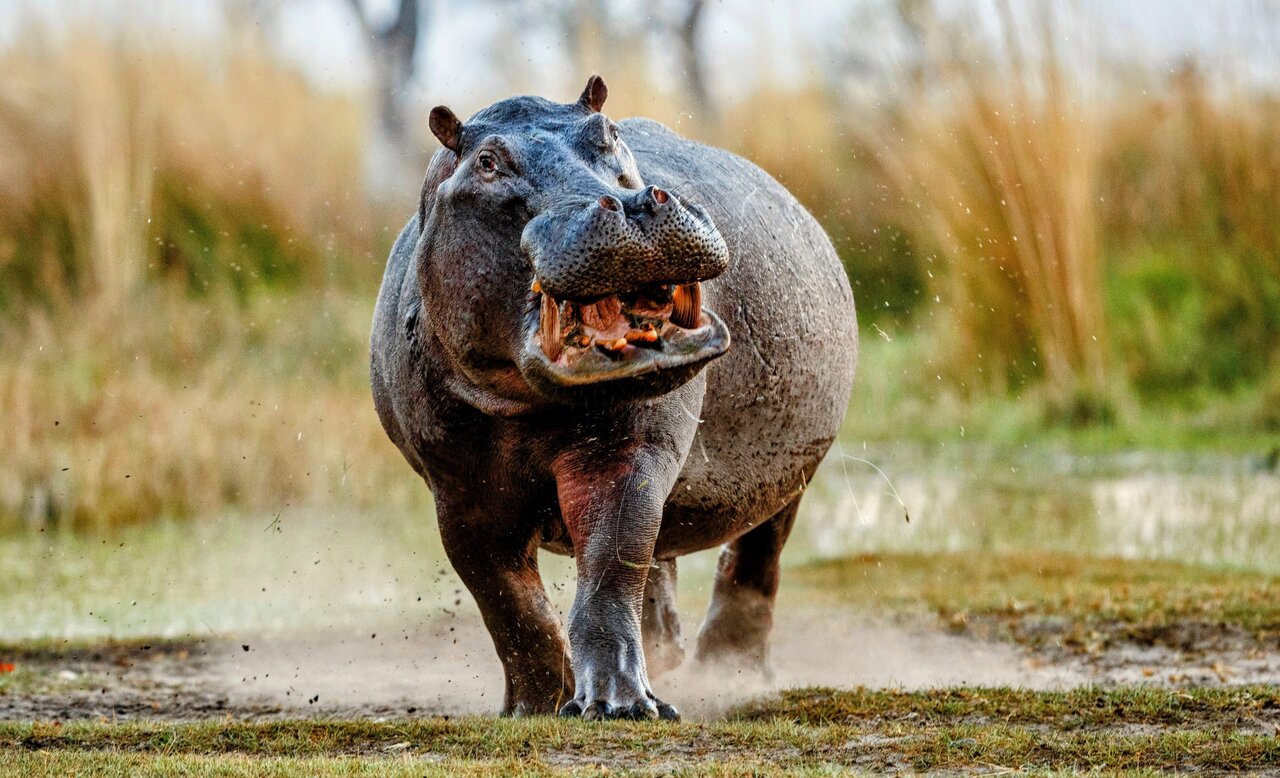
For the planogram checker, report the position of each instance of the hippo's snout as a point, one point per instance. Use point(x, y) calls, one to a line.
point(617, 244)
point(618, 292)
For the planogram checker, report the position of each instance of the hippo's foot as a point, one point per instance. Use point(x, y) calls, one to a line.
point(525, 628)
point(538, 684)
point(736, 633)
point(634, 705)
point(525, 708)
point(612, 684)
point(660, 623)
point(535, 699)
point(662, 655)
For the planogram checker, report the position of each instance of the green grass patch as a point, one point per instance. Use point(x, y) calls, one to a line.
point(95, 649)
point(31, 680)
point(1085, 708)
point(904, 392)
point(816, 730)
point(1090, 598)
point(62, 763)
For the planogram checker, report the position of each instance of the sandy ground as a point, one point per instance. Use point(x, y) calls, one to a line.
point(447, 667)
point(450, 667)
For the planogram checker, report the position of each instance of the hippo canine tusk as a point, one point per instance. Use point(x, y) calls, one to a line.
point(549, 328)
point(686, 305)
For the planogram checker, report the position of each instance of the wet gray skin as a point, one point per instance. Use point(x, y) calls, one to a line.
point(605, 340)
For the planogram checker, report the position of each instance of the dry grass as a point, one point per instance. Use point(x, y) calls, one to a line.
point(170, 408)
point(993, 162)
point(169, 223)
point(1190, 181)
point(123, 160)
point(1090, 230)
point(1202, 160)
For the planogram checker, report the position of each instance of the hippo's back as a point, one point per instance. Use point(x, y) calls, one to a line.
point(775, 402)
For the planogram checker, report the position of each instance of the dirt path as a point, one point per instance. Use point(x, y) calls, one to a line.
point(447, 666)
point(450, 667)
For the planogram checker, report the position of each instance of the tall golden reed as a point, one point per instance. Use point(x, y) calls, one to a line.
point(134, 180)
point(114, 151)
point(994, 163)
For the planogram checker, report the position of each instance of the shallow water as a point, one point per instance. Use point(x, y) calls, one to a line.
point(1209, 509)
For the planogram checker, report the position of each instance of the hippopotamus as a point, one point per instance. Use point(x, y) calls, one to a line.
point(601, 339)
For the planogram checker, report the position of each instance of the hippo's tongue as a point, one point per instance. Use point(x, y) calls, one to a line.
point(601, 315)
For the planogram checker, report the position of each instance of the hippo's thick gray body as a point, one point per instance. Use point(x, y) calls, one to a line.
point(626, 472)
point(773, 404)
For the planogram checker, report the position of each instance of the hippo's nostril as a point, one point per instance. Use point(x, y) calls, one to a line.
point(610, 203)
point(660, 195)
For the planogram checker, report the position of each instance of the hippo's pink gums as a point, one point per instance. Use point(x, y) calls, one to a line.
point(551, 352)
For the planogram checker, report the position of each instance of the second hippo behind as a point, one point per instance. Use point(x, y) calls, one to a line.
point(601, 339)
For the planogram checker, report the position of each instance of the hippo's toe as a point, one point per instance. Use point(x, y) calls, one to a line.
point(646, 707)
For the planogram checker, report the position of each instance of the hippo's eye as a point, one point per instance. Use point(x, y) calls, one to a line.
point(614, 132)
point(487, 162)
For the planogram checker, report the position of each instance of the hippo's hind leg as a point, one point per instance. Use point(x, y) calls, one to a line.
point(499, 565)
point(659, 620)
point(741, 614)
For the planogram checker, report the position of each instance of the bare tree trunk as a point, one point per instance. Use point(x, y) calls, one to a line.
point(915, 17)
point(395, 159)
point(694, 70)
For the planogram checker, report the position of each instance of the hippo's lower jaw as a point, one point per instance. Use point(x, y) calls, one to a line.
point(661, 328)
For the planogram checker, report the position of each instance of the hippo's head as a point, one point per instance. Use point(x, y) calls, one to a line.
point(553, 273)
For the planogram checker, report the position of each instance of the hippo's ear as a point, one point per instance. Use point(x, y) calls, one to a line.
point(446, 127)
point(595, 94)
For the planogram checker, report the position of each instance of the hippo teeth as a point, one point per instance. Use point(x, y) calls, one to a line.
point(686, 305)
point(549, 328)
point(617, 325)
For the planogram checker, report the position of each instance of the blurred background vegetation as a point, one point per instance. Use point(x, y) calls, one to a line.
point(1047, 240)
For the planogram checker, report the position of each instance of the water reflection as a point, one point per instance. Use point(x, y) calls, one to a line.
point(1208, 509)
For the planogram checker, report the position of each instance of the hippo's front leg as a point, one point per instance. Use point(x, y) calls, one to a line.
point(612, 503)
point(496, 555)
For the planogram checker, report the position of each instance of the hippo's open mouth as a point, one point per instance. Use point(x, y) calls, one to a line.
point(657, 327)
